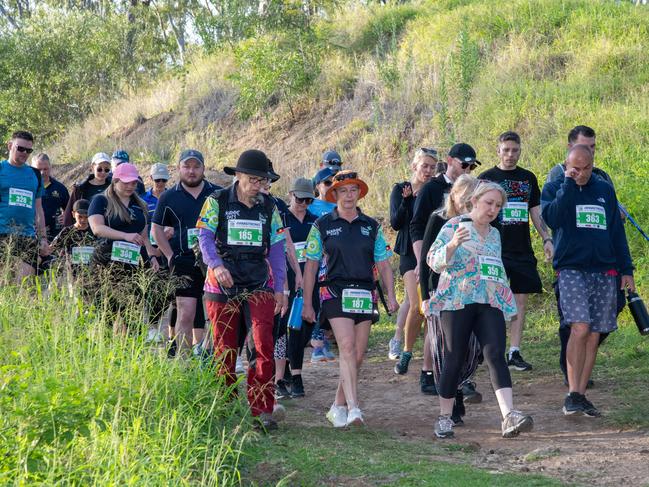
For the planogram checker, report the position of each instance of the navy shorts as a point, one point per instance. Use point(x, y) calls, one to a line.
point(588, 297)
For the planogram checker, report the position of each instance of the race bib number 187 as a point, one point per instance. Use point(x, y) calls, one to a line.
point(357, 301)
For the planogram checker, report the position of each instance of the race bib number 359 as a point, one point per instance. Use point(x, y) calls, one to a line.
point(357, 301)
point(21, 197)
point(491, 269)
point(125, 252)
point(244, 232)
point(591, 216)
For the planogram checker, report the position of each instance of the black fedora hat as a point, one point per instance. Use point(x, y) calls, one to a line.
point(253, 162)
point(273, 175)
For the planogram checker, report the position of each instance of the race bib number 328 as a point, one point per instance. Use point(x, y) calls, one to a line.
point(591, 216)
point(21, 197)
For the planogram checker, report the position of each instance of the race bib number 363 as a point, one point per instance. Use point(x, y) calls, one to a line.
point(125, 252)
point(491, 269)
point(21, 197)
point(591, 216)
point(357, 301)
point(244, 232)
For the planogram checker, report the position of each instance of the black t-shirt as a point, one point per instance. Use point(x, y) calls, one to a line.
point(177, 208)
point(135, 224)
point(299, 231)
point(90, 190)
point(523, 193)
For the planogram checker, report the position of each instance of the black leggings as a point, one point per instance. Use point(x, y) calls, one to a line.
point(488, 324)
point(297, 340)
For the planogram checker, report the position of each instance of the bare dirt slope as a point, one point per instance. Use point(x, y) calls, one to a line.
point(576, 450)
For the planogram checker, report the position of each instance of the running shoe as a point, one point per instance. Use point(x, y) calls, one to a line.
point(239, 368)
point(589, 409)
point(281, 390)
point(297, 388)
point(573, 404)
point(265, 423)
point(154, 336)
point(394, 349)
point(318, 355)
point(355, 417)
point(444, 427)
point(279, 413)
point(471, 395)
point(337, 416)
point(172, 348)
point(516, 362)
point(329, 355)
point(516, 422)
point(401, 367)
point(427, 383)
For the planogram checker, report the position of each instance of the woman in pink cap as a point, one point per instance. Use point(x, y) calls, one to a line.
point(118, 218)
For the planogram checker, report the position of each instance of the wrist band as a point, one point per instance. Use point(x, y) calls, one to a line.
point(287, 293)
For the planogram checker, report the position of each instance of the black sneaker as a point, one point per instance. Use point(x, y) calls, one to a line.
point(573, 404)
point(281, 390)
point(516, 362)
point(588, 409)
point(401, 367)
point(297, 388)
point(427, 383)
point(459, 403)
point(471, 395)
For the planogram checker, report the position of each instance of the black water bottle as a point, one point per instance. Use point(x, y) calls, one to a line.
point(639, 312)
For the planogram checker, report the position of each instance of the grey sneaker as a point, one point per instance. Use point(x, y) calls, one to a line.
point(516, 422)
point(394, 349)
point(444, 427)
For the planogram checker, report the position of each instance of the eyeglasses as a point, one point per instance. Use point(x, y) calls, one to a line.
point(308, 201)
point(256, 180)
point(20, 148)
point(102, 169)
point(427, 151)
point(159, 180)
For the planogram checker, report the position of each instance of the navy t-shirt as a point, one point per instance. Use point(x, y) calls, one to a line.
point(55, 198)
point(299, 231)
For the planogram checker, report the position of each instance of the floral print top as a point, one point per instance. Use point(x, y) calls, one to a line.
point(474, 274)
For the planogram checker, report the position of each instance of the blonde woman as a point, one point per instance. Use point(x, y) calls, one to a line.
point(473, 297)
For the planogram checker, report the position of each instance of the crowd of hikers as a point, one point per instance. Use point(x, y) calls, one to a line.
point(274, 277)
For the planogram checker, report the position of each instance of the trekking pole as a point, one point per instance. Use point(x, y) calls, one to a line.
point(633, 222)
point(382, 297)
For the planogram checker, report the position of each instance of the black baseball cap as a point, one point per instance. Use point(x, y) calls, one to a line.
point(464, 152)
point(81, 206)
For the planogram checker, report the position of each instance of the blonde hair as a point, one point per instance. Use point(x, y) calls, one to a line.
point(484, 187)
point(115, 207)
point(419, 155)
point(463, 188)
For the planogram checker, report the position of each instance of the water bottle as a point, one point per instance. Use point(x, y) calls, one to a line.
point(295, 317)
point(639, 312)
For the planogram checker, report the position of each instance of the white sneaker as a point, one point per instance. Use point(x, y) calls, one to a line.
point(337, 415)
point(394, 349)
point(279, 413)
point(153, 336)
point(239, 369)
point(355, 417)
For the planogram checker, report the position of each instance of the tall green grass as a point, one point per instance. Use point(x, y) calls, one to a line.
point(83, 406)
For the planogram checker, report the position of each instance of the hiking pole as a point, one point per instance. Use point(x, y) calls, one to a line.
point(633, 222)
point(382, 297)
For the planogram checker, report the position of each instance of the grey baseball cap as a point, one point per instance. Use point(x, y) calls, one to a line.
point(191, 154)
point(302, 188)
point(160, 171)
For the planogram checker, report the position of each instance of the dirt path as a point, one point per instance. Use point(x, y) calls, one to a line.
point(576, 450)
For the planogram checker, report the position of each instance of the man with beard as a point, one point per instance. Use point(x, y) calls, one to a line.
point(179, 207)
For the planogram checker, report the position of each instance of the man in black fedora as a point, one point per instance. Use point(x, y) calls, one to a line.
point(242, 243)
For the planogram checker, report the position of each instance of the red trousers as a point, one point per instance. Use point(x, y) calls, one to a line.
point(226, 326)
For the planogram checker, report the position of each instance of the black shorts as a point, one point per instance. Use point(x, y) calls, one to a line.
point(407, 263)
point(189, 277)
point(20, 247)
point(522, 273)
point(333, 308)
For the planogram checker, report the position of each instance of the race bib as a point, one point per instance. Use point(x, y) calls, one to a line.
point(357, 301)
point(515, 212)
point(125, 252)
point(300, 251)
point(244, 232)
point(151, 238)
point(21, 197)
point(192, 237)
point(81, 255)
point(491, 269)
point(591, 216)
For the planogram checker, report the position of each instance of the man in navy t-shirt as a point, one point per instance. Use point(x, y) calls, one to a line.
point(55, 196)
point(22, 222)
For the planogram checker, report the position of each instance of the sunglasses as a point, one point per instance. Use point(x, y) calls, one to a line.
point(20, 148)
point(308, 201)
point(102, 169)
point(327, 183)
point(428, 151)
point(347, 175)
point(159, 180)
point(470, 165)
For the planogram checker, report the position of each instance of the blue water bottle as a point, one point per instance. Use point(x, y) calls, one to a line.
point(295, 317)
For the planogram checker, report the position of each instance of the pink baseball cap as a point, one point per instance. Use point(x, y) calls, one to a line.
point(126, 172)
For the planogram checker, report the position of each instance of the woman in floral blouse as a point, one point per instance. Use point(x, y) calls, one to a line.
point(473, 296)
